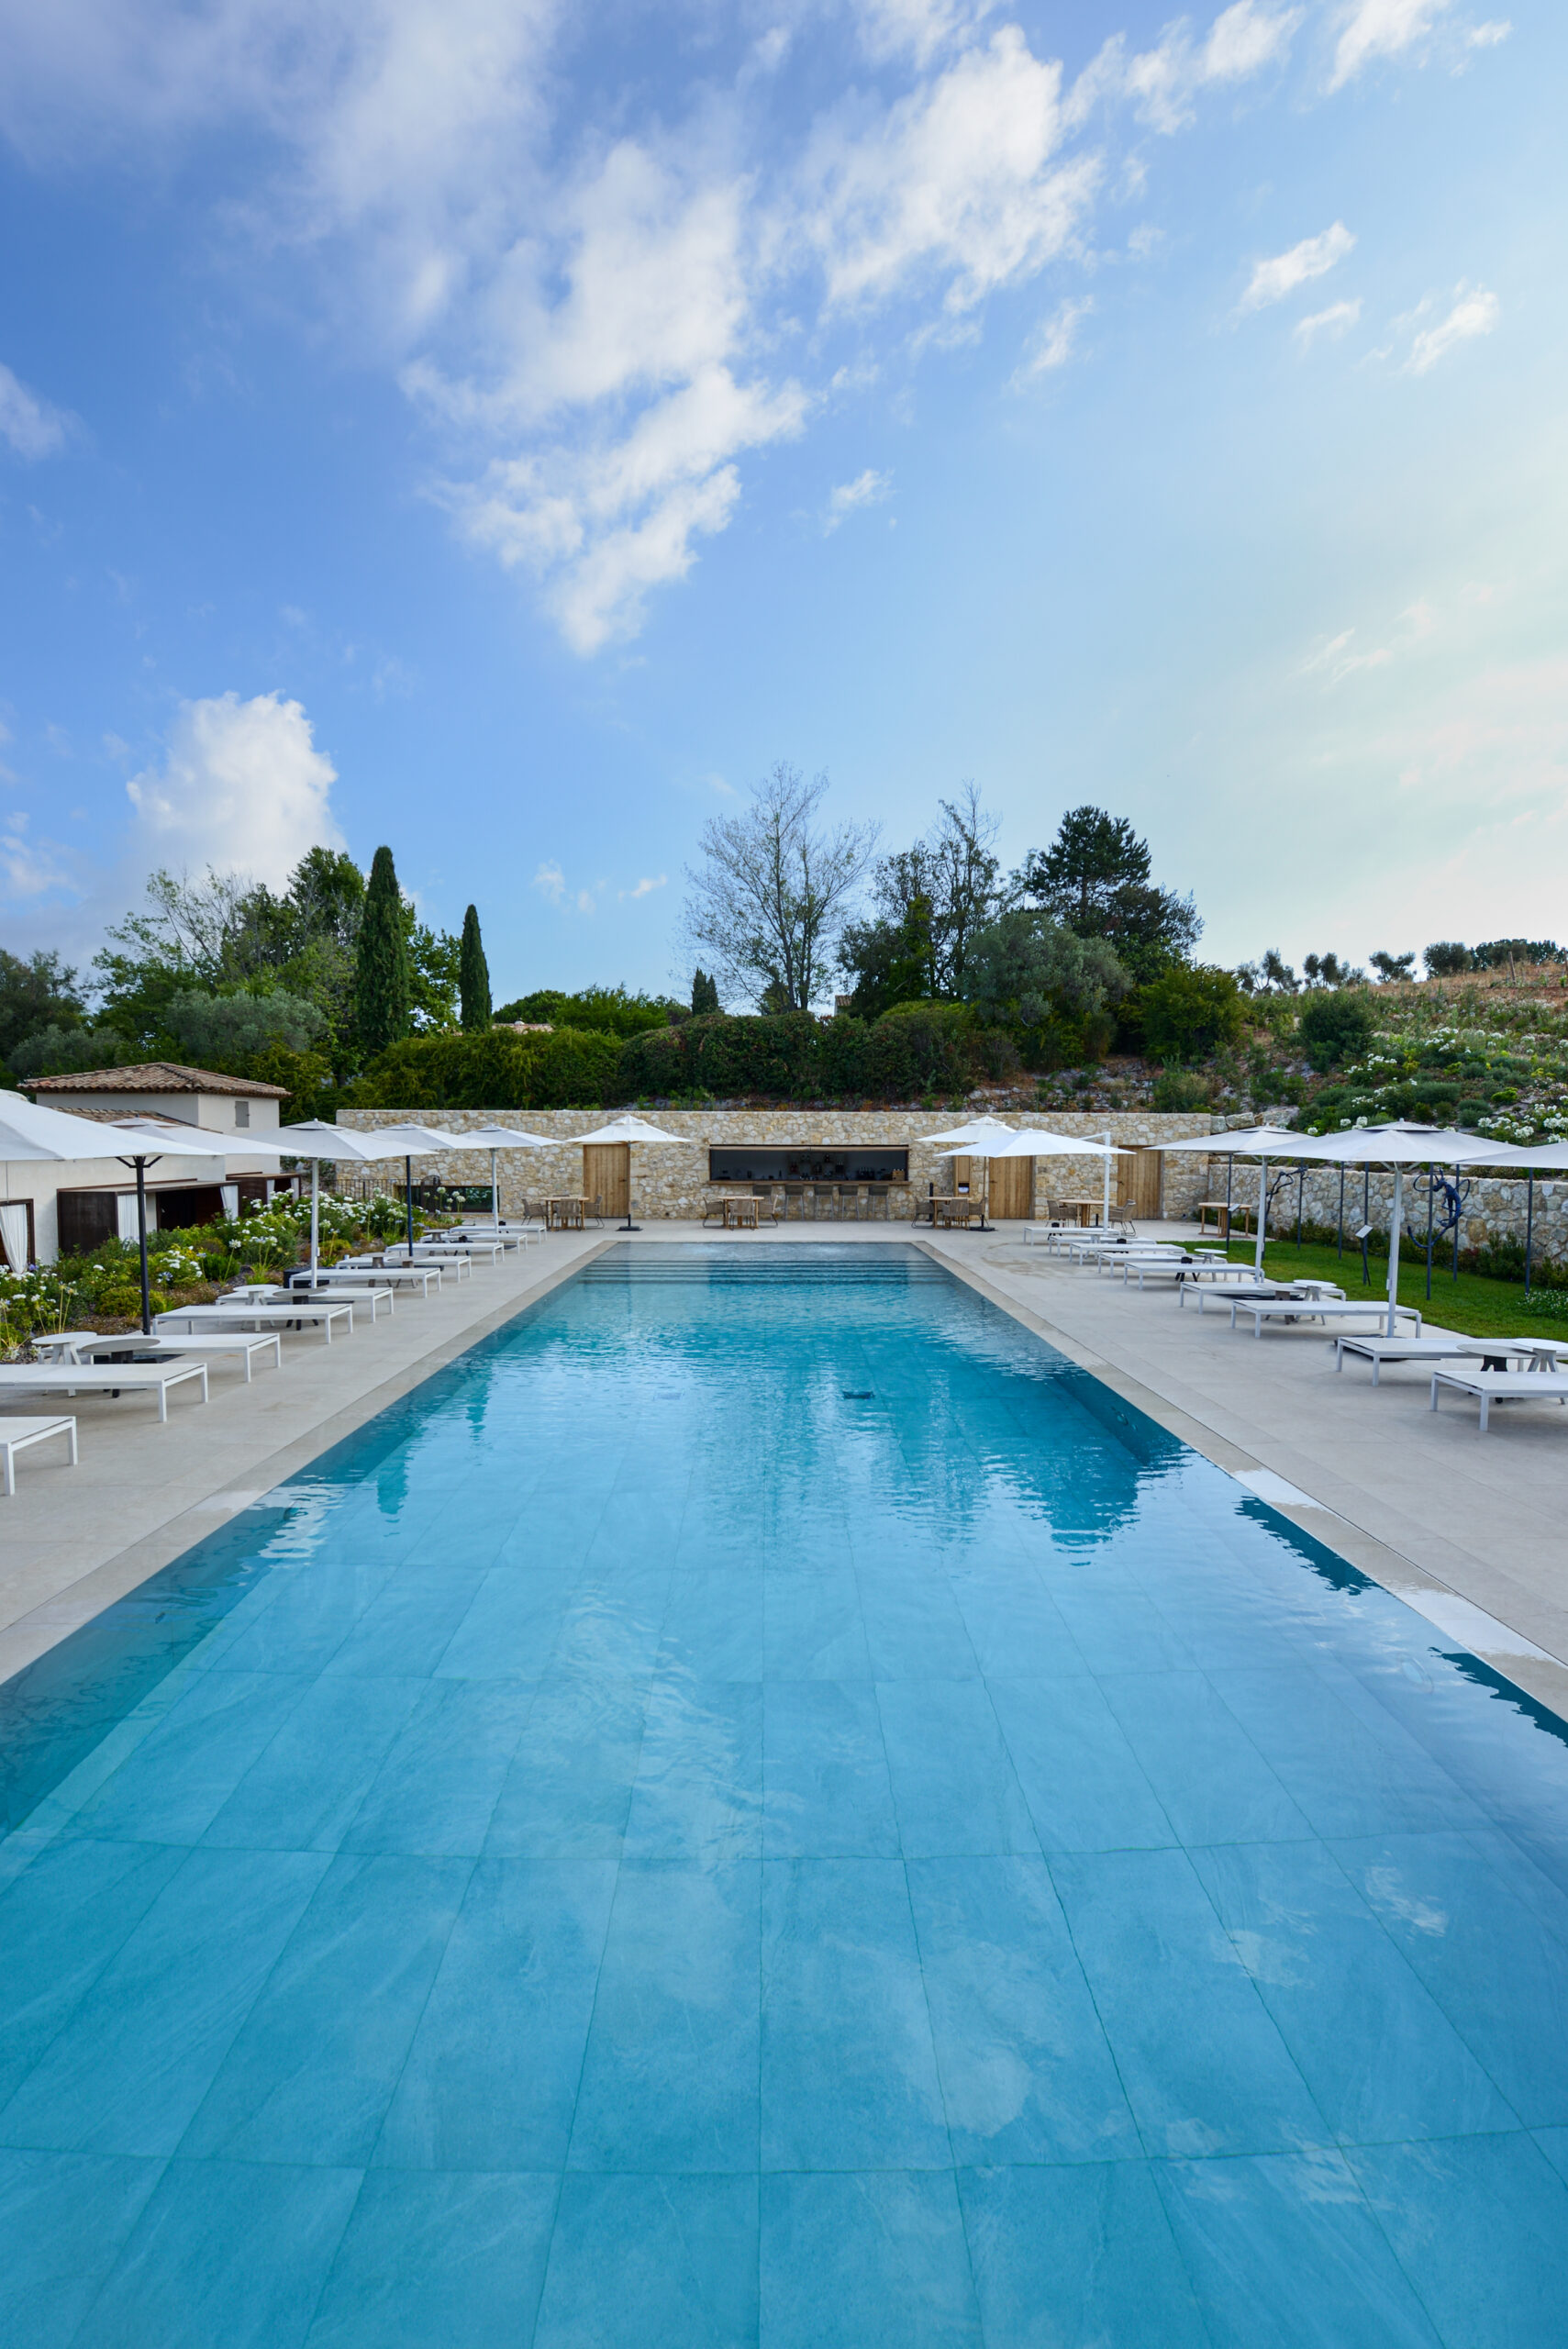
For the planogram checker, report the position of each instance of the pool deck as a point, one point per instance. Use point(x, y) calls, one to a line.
point(1468, 1528)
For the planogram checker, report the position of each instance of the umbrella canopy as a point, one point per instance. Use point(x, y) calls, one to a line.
point(1261, 1143)
point(314, 1139)
point(629, 1129)
point(1400, 1144)
point(977, 1129)
point(30, 1133)
point(1033, 1141)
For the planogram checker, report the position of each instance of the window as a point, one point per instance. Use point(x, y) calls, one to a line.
point(808, 1162)
point(242, 1113)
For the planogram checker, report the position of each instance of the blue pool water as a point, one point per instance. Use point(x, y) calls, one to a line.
point(762, 1807)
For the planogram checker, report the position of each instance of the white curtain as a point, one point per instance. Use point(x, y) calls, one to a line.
point(13, 1234)
point(231, 1195)
point(125, 1209)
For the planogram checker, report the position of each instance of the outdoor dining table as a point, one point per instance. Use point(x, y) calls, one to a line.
point(740, 1214)
point(1083, 1211)
point(952, 1215)
point(565, 1215)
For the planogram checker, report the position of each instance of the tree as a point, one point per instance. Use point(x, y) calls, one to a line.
point(39, 993)
point(704, 994)
point(890, 961)
point(1025, 967)
point(948, 885)
point(1390, 968)
point(1336, 1028)
point(1273, 976)
point(1190, 1010)
point(473, 975)
point(771, 898)
point(1447, 959)
point(59, 1051)
point(1328, 971)
point(381, 962)
point(228, 1031)
point(1094, 877)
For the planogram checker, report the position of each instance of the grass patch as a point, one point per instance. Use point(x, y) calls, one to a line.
point(1474, 1305)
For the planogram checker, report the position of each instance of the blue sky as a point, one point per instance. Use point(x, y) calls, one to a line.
point(504, 430)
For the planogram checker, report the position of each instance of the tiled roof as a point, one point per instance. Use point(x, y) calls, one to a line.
point(155, 1076)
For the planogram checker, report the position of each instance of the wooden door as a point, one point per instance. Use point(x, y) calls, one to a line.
point(1139, 1177)
point(607, 1175)
point(1012, 1189)
point(968, 1175)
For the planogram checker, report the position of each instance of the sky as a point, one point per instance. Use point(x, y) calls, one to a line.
point(505, 429)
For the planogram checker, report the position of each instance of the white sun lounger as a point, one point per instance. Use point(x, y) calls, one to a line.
point(88, 1345)
point(1377, 1350)
point(1245, 1290)
point(357, 1271)
point(328, 1292)
point(1502, 1386)
point(240, 1313)
point(453, 1260)
point(1312, 1308)
point(87, 1379)
point(17, 1435)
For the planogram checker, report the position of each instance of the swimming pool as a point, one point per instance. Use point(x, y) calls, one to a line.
point(762, 1806)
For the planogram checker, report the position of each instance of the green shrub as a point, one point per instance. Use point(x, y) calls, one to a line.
point(574, 1068)
point(1336, 1025)
point(1176, 1088)
point(1191, 1009)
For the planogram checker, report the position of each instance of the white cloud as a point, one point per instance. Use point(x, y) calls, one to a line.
point(28, 868)
point(1487, 36)
point(552, 881)
point(1164, 82)
point(955, 187)
point(867, 489)
point(1314, 257)
point(29, 424)
point(1336, 320)
point(1475, 311)
point(1373, 28)
point(1053, 342)
point(645, 888)
point(241, 786)
point(917, 28)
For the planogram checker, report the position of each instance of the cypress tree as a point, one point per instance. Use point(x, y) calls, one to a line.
point(380, 963)
point(474, 974)
point(705, 992)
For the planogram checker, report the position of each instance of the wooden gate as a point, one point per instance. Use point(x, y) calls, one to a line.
point(1139, 1180)
point(1012, 1189)
point(607, 1175)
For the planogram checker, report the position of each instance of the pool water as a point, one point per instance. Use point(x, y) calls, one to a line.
point(762, 1806)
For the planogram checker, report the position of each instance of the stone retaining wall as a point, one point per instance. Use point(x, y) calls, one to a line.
point(673, 1182)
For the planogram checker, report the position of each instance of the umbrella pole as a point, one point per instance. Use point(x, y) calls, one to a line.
point(1395, 1218)
point(409, 1200)
point(1105, 1210)
point(1341, 1211)
point(494, 1194)
point(1300, 1200)
point(1529, 1225)
point(142, 1244)
point(1229, 1172)
point(314, 1219)
point(1262, 1212)
point(628, 1225)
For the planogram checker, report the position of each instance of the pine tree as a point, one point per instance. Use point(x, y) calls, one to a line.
point(380, 963)
point(474, 974)
point(705, 992)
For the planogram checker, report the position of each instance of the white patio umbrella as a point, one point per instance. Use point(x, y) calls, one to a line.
point(1037, 1141)
point(411, 1140)
point(1532, 1159)
point(1398, 1145)
point(628, 1129)
point(316, 1140)
point(975, 1129)
point(1261, 1143)
point(498, 1137)
point(29, 1132)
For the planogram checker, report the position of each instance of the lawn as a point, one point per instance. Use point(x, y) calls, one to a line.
point(1471, 1304)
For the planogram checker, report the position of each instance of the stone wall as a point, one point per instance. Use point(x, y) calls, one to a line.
point(673, 1182)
